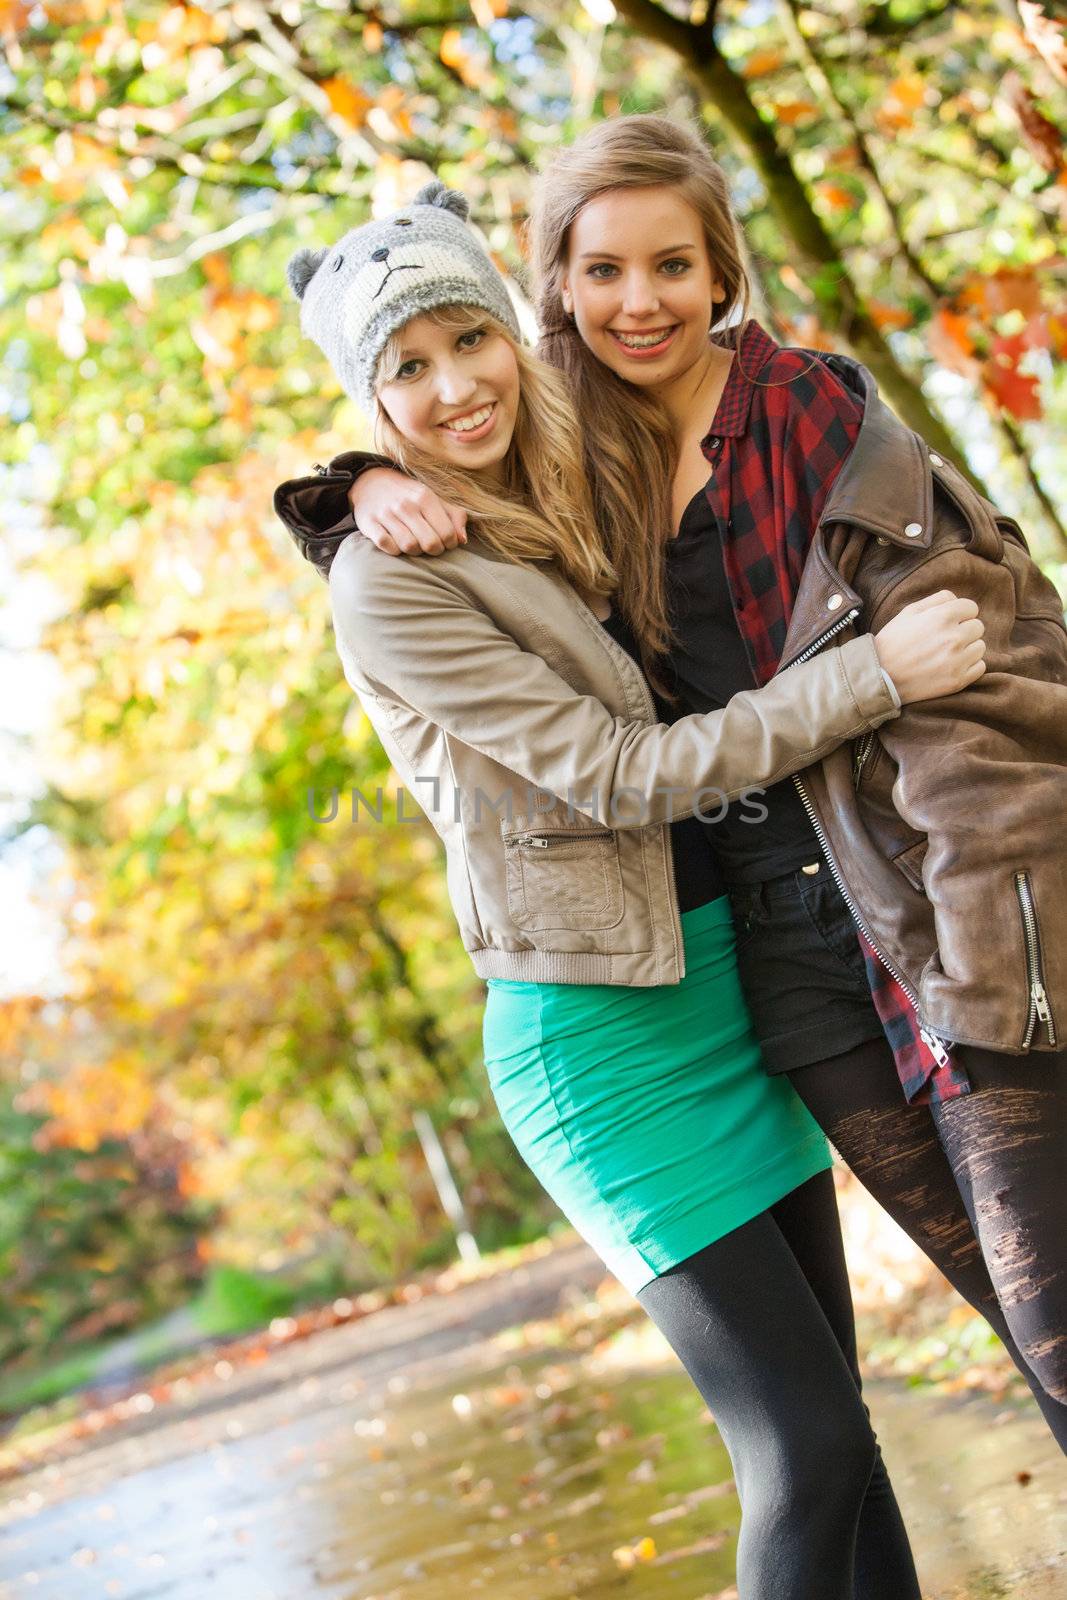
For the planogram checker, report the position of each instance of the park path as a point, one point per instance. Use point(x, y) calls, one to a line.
point(523, 1437)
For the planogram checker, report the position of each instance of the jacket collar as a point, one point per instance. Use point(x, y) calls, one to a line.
point(886, 486)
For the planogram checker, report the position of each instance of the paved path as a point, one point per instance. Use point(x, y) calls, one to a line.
point(414, 1456)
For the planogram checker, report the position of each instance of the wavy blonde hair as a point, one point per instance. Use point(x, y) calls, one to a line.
point(543, 509)
point(630, 451)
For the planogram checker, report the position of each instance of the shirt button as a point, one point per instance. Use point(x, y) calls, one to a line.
point(835, 601)
point(913, 530)
point(811, 870)
point(881, 539)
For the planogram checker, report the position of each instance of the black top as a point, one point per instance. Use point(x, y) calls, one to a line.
point(696, 871)
point(770, 833)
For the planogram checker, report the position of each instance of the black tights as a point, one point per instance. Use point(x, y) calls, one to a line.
point(977, 1183)
point(762, 1321)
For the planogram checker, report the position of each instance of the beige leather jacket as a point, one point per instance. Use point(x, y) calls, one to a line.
point(531, 740)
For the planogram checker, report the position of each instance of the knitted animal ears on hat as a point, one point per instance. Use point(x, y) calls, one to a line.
point(303, 266)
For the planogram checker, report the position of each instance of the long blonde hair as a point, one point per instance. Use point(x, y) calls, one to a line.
point(630, 450)
point(543, 509)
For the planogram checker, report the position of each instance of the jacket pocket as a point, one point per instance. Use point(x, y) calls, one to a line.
point(865, 753)
point(910, 863)
point(1038, 1008)
point(566, 879)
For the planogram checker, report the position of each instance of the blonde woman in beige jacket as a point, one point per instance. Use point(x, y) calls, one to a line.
point(618, 1045)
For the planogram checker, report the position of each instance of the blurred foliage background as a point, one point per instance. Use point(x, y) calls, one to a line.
point(220, 1067)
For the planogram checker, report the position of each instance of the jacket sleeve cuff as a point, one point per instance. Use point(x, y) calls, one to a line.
point(319, 503)
point(873, 691)
point(891, 686)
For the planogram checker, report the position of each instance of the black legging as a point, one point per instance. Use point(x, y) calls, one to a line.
point(762, 1321)
point(977, 1183)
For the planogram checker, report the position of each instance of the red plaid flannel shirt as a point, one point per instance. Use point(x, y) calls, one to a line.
point(782, 432)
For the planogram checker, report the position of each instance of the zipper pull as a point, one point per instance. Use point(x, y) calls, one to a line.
point(323, 472)
point(536, 840)
point(1040, 998)
point(935, 1047)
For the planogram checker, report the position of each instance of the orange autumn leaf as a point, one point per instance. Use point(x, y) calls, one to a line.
point(180, 28)
point(486, 12)
point(904, 96)
point(835, 195)
point(909, 90)
point(1057, 332)
point(451, 49)
point(66, 13)
point(1007, 289)
point(347, 102)
point(68, 235)
point(393, 102)
point(807, 332)
point(951, 342)
point(790, 112)
point(216, 269)
point(760, 62)
point(13, 16)
point(454, 53)
point(889, 317)
point(795, 284)
point(373, 36)
point(95, 1102)
point(1016, 392)
point(97, 329)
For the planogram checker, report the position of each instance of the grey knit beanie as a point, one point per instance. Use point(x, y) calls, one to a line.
point(355, 294)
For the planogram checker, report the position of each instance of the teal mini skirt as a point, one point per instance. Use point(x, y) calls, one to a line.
point(646, 1113)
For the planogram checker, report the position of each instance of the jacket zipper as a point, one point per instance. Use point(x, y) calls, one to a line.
point(1039, 1007)
point(933, 1044)
point(544, 841)
point(842, 622)
point(862, 756)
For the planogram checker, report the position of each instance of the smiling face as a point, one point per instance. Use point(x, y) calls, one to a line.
point(453, 391)
point(640, 284)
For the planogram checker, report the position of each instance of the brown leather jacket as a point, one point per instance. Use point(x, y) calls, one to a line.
point(945, 828)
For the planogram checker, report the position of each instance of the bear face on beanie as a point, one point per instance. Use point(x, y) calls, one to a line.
point(356, 294)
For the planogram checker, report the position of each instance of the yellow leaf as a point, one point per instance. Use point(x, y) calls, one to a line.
point(487, 11)
point(452, 51)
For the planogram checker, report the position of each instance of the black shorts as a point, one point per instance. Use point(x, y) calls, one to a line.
point(802, 968)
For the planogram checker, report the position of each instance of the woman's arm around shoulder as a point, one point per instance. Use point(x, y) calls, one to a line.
point(423, 635)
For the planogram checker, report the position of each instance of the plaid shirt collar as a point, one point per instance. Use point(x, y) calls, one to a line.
point(731, 415)
point(885, 487)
